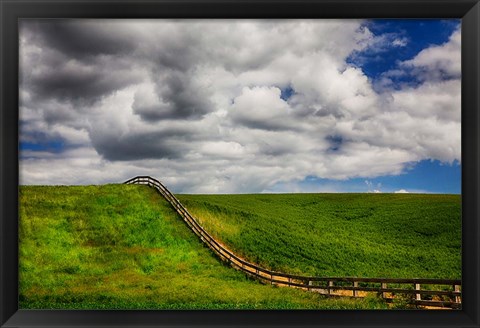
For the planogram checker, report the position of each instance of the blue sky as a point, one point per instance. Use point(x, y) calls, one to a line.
point(418, 35)
point(243, 106)
point(48, 145)
point(427, 176)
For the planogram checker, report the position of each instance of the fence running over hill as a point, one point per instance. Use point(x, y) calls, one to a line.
point(447, 292)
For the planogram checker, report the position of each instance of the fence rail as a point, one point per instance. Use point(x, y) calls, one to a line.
point(447, 292)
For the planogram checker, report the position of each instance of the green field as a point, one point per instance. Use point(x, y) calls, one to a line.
point(123, 247)
point(358, 235)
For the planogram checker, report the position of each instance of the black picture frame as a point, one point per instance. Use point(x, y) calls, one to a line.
point(12, 10)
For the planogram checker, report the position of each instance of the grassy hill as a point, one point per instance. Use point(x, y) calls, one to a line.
point(123, 247)
point(361, 235)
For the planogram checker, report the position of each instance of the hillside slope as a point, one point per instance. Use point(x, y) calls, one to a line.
point(123, 247)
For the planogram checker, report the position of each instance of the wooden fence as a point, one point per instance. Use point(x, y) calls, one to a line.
point(445, 292)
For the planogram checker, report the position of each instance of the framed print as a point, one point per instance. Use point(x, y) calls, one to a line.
point(239, 163)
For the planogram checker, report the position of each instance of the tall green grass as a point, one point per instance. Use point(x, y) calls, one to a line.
point(360, 235)
point(123, 247)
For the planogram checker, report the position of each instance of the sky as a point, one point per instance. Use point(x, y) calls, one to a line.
point(242, 106)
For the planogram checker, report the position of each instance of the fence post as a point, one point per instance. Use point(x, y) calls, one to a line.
point(355, 292)
point(456, 288)
point(330, 284)
point(418, 297)
point(384, 286)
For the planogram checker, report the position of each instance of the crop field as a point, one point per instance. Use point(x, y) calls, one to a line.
point(356, 235)
point(123, 247)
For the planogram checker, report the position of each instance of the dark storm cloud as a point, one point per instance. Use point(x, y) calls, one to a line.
point(178, 54)
point(177, 97)
point(81, 62)
point(79, 38)
point(169, 141)
point(58, 114)
point(80, 85)
point(138, 146)
point(186, 100)
point(152, 112)
point(77, 62)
